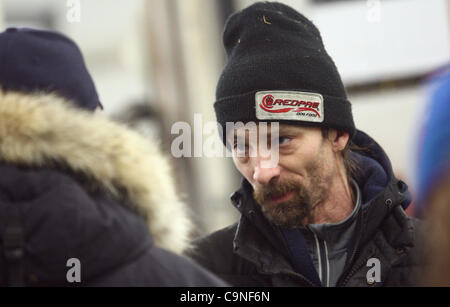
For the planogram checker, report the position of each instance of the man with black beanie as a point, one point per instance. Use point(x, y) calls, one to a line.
point(84, 201)
point(329, 212)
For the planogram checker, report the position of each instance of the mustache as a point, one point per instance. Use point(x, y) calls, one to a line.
point(268, 192)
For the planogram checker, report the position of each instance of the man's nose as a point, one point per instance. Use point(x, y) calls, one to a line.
point(263, 175)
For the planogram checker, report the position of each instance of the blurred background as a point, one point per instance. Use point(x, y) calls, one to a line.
point(156, 62)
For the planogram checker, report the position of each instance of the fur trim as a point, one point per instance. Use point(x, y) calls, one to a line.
point(37, 128)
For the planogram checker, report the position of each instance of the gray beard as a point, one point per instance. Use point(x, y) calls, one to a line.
point(293, 212)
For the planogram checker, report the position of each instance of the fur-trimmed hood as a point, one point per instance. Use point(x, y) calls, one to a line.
point(40, 129)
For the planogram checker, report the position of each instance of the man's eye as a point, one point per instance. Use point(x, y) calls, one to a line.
point(283, 140)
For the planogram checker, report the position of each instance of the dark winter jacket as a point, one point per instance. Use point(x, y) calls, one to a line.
point(253, 252)
point(76, 185)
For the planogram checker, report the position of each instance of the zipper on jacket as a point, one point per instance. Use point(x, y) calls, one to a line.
point(355, 268)
point(349, 271)
point(324, 264)
point(318, 256)
point(328, 263)
point(283, 240)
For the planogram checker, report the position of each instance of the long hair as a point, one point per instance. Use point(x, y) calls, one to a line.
point(352, 168)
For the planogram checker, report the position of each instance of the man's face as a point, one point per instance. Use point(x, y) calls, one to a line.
point(288, 190)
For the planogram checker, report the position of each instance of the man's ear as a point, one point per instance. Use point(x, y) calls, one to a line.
point(338, 139)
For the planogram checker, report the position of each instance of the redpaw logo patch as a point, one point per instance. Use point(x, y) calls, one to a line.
point(289, 105)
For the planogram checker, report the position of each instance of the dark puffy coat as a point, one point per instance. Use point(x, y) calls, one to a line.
point(76, 185)
point(254, 253)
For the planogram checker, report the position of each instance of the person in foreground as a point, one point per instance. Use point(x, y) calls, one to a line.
point(83, 201)
point(330, 212)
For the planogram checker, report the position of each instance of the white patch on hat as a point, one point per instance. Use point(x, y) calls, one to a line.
point(289, 105)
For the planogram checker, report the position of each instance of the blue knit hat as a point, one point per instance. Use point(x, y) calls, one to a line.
point(35, 60)
point(433, 160)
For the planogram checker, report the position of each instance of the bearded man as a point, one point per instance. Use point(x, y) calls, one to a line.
point(329, 211)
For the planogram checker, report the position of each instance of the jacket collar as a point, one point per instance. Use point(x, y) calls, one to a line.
point(256, 239)
point(41, 130)
point(382, 193)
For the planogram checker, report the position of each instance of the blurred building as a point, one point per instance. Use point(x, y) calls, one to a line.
point(168, 53)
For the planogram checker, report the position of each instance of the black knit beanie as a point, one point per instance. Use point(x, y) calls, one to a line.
point(278, 70)
point(38, 60)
